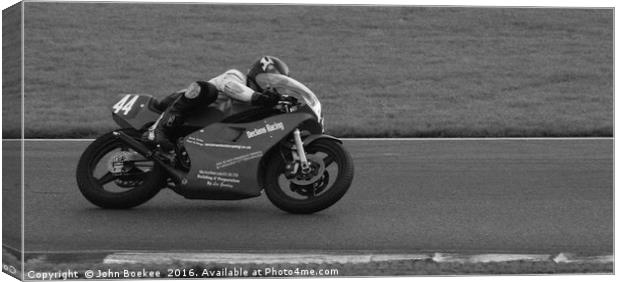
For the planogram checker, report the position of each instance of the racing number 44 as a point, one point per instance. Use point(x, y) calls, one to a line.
point(125, 104)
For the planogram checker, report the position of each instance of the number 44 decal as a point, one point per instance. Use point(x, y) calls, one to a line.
point(125, 104)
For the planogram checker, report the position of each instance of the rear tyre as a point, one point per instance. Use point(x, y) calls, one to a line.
point(113, 176)
point(331, 177)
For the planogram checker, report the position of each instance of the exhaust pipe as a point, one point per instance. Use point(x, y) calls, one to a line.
point(178, 176)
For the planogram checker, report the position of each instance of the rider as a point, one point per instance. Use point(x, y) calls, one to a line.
point(231, 85)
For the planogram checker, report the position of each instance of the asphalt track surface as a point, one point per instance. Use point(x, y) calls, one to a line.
point(517, 196)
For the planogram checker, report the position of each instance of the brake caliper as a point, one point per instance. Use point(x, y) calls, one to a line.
point(312, 174)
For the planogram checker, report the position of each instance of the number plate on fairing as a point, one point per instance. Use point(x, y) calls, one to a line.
point(130, 105)
point(135, 110)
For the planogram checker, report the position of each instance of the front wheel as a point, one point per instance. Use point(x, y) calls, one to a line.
point(111, 175)
point(327, 180)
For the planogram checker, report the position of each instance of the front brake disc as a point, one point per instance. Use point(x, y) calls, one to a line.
point(318, 168)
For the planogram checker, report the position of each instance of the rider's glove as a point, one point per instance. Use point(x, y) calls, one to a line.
point(269, 97)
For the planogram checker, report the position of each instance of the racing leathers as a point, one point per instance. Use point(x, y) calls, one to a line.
point(219, 91)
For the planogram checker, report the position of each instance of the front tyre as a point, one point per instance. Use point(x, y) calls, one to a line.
point(113, 176)
point(327, 181)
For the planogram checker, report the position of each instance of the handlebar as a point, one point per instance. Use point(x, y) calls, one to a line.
point(288, 100)
point(287, 103)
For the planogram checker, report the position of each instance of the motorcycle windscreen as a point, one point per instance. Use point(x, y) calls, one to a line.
point(288, 86)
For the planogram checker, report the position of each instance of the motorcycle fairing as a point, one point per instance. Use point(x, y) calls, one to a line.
point(144, 110)
point(225, 157)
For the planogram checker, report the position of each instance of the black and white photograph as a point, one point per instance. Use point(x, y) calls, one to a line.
point(198, 140)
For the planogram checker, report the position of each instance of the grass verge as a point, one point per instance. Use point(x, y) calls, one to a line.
point(379, 71)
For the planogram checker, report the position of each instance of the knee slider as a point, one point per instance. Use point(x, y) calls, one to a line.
point(201, 90)
point(199, 94)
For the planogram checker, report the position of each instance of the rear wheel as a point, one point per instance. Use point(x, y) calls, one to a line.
point(111, 175)
point(323, 184)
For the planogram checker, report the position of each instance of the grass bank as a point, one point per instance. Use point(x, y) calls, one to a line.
point(379, 71)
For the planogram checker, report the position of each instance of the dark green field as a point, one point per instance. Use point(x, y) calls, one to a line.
point(380, 71)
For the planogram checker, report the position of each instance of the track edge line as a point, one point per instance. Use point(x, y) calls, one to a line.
point(301, 258)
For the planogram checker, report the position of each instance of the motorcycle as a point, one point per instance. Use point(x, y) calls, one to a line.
point(221, 155)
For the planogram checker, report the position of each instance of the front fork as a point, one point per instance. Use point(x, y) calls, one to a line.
point(301, 153)
point(299, 157)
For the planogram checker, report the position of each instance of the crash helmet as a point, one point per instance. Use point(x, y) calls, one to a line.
point(265, 64)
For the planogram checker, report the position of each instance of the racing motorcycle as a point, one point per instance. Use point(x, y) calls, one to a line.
point(230, 155)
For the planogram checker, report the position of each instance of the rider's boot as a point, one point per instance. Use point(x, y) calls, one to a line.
point(198, 94)
point(159, 133)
